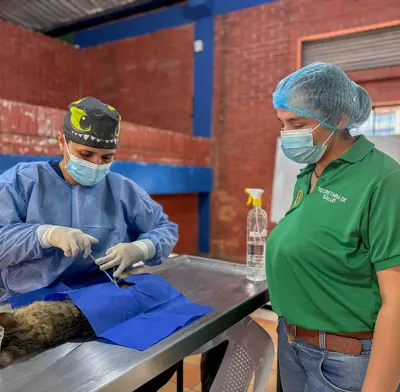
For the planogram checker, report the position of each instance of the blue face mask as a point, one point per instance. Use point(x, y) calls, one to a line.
point(84, 172)
point(298, 146)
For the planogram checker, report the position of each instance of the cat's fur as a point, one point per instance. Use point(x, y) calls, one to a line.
point(40, 325)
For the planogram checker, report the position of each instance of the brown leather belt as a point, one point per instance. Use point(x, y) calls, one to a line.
point(345, 343)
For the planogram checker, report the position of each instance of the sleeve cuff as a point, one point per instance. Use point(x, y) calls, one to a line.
point(387, 263)
point(147, 247)
point(43, 233)
point(157, 257)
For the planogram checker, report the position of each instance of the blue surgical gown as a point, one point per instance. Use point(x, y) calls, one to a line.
point(114, 210)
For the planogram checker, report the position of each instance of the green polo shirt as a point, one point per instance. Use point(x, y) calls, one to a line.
point(323, 256)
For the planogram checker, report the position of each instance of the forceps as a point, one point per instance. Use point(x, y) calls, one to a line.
point(108, 275)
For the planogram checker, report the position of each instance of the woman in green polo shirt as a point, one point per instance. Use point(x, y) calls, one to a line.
point(333, 262)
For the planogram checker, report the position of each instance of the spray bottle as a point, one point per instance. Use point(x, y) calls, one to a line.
point(256, 237)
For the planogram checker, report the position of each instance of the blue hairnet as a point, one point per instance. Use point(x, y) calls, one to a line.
point(324, 92)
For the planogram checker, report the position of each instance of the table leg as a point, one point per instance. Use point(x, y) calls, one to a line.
point(179, 377)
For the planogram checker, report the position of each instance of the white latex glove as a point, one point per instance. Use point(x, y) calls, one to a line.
point(124, 255)
point(71, 241)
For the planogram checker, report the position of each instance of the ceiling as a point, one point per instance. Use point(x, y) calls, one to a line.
point(58, 17)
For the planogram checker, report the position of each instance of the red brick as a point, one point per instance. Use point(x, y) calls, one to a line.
point(49, 121)
point(183, 210)
point(164, 146)
point(16, 116)
point(27, 119)
point(5, 116)
point(30, 145)
point(138, 142)
point(37, 69)
point(149, 79)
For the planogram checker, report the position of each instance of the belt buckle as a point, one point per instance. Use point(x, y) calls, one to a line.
point(292, 336)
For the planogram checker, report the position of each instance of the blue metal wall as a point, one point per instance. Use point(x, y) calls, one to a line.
point(156, 179)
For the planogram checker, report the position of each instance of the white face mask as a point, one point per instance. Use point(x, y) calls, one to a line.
point(298, 145)
point(84, 172)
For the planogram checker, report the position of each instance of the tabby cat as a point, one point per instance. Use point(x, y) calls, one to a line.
point(40, 325)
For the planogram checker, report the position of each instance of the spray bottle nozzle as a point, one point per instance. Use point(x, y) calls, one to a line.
point(254, 196)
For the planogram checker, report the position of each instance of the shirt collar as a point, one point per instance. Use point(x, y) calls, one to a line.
point(306, 170)
point(358, 151)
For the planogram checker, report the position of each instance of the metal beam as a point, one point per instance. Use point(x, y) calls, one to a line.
point(139, 6)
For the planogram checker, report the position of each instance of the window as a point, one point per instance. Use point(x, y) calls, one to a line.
point(374, 48)
point(384, 120)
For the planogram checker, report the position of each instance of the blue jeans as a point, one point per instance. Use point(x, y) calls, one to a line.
point(307, 368)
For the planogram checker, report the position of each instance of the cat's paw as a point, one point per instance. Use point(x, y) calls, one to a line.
point(6, 359)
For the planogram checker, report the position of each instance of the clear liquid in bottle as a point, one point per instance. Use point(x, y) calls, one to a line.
point(256, 241)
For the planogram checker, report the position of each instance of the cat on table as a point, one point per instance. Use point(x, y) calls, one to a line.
point(40, 325)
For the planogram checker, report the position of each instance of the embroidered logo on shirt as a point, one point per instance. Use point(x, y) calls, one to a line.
point(330, 196)
point(299, 196)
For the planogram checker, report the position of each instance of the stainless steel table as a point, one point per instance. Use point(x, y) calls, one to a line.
point(93, 366)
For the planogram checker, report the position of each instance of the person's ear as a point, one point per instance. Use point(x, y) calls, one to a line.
point(61, 141)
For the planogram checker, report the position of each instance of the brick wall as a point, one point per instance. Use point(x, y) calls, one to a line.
point(183, 209)
point(37, 69)
point(255, 48)
point(148, 78)
point(251, 51)
point(31, 130)
point(382, 84)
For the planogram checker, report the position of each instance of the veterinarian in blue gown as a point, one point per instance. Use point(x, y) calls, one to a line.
point(54, 214)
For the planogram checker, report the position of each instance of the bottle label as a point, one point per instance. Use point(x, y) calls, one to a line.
point(257, 234)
